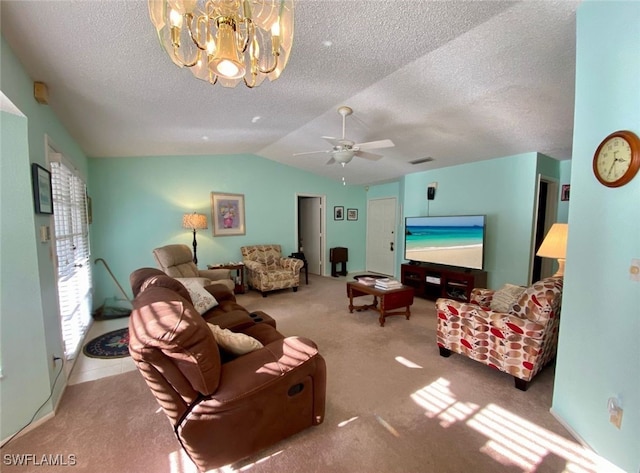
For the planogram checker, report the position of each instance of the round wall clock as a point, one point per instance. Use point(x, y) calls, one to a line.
point(617, 159)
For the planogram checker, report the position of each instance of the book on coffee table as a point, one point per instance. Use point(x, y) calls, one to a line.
point(367, 281)
point(387, 283)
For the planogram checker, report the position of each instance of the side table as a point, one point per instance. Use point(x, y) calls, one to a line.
point(305, 266)
point(239, 279)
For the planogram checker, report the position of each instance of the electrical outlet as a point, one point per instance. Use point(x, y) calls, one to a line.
point(634, 269)
point(614, 406)
point(616, 418)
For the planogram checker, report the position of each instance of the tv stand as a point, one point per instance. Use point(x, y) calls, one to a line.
point(432, 281)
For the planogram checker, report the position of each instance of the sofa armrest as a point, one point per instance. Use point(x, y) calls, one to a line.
point(202, 281)
point(293, 264)
point(235, 320)
point(215, 274)
point(481, 297)
point(500, 324)
point(220, 292)
point(255, 266)
point(248, 374)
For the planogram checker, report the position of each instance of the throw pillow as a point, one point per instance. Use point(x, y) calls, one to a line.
point(505, 297)
point(201, 298)
point(236, 343)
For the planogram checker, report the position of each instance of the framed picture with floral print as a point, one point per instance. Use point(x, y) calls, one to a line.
point(227, 214)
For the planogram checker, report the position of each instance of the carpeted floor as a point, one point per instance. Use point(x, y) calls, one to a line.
point(393, 405)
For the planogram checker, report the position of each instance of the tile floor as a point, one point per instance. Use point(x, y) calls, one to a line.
point(88, 369)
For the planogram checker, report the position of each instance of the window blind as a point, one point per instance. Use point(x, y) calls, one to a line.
point(71, 233)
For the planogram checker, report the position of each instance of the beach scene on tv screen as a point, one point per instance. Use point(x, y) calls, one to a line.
point(454, 241)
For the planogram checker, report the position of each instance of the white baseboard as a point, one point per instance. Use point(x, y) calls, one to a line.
point(604, 465)
point(43, 419)
point(31, 426)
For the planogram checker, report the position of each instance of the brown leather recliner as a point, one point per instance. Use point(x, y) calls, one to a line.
point(221, 411)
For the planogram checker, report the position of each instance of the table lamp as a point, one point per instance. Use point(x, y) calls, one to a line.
point(554, 245)
point(194, 221)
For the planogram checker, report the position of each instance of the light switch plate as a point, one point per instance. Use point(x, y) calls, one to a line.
point(634, 269)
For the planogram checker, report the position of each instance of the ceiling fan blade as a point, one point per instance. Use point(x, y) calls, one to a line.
point(331, 161)
point(310, 152)
point(370, 156)
point(332, 140)
point(376, 144)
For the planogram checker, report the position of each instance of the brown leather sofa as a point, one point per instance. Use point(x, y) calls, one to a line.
point(222, 408)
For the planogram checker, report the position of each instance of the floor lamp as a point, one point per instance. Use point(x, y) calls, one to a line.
point(554, 245)
point(194, 221)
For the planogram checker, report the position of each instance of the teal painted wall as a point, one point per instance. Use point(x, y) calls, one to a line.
point(599, 353)
point(138, 205)
point(26, 379)
point(501, 188)
point(41, 122)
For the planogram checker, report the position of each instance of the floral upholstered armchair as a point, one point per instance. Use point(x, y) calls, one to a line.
point(519, 338)
point(267, 270)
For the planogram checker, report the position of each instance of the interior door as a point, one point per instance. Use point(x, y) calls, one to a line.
point(546, 215)
point(310, 232)
point(381, 235)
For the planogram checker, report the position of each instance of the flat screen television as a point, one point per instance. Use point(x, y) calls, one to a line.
point(454, 240)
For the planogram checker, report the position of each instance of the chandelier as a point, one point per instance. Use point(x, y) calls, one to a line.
point(226, 41)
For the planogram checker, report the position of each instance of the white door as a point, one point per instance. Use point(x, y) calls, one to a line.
point(310, 232)
point(381, 236)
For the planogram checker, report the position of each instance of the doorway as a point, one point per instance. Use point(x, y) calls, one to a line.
point(545, 215)
point(310, 230)
point(381, 235)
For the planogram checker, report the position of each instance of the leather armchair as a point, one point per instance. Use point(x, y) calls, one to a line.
point(519, 342)
point(222, 410)
point(177, 261)
point(267, 270)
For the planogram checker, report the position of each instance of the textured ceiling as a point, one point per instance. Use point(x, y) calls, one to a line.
point(456, 81)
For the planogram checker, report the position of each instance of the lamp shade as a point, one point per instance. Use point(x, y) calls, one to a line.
point(554, 244)
point(194, 221)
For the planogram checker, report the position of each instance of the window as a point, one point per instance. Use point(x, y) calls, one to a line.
point(72, 253)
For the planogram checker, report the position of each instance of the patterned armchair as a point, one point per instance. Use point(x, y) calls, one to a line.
point(520, 341)
point(267, 270)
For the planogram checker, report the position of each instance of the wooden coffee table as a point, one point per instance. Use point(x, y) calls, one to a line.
point(390, 300)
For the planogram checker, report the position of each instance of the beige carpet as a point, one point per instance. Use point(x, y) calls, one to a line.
point(393, 405)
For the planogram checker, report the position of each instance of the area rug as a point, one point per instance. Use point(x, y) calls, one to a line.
point(113, 344)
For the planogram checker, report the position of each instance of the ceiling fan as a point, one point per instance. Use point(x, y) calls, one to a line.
point(344, 150)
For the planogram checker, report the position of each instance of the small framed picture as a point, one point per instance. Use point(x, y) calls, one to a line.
point(338, 212)
point(564, 195)
point(227, 214)
point(352, 214)
point(42, 194)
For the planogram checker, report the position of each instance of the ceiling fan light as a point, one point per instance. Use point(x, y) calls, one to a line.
point(343, 156)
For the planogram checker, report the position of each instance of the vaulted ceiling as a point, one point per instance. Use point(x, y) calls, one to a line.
point(457, 81)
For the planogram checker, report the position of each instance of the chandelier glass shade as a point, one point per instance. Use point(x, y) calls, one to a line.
point(226, 41)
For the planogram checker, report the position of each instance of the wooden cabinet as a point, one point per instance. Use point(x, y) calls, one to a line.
point(433, 280)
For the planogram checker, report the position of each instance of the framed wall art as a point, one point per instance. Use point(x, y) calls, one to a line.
point(352, 214)
point(227, 214)
point(564, 195)
point(338, 212)
point(42, 194)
